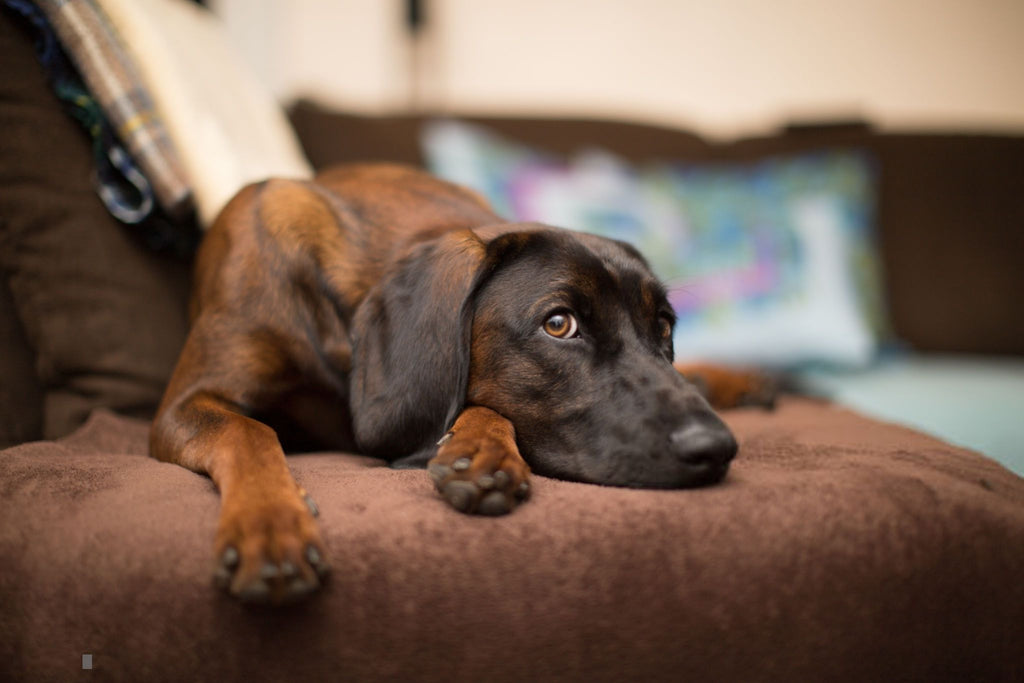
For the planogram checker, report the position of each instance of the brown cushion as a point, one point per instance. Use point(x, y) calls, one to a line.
point(21, 407)
point(838, 548)
point(104, 316)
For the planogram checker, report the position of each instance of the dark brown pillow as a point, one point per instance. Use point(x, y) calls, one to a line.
point(21, 403)
point(104, 316)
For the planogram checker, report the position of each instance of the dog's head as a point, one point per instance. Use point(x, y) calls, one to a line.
point(567, 335)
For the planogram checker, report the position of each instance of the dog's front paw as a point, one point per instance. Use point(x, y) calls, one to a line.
point(480, 473)
point(268, 547)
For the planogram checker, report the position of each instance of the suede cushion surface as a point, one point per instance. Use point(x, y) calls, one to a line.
point(838, 548)
point(104, 316)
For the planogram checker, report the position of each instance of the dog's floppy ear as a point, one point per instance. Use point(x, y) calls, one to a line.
point(411, 338)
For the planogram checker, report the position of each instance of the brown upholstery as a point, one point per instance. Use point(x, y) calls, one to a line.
point(21, 407)
point(102, 314)
point(837, 549)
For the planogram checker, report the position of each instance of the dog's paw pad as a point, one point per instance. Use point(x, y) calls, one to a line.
point(439, 473)
point(314, 509)
point(229, 558)
point(317, 562)
point(273, 584)
point(270, 571)
point(479, 476)
point(225, 569)
point(269, 550)
point(493, 504)
point(257, 592)
point(461, 495)
point(299, 588)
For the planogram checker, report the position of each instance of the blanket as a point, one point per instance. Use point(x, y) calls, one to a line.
point(892, 556)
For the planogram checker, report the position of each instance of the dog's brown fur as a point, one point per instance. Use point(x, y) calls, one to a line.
point(377, 309)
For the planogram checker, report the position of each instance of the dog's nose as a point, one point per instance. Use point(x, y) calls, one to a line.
point(705, 448)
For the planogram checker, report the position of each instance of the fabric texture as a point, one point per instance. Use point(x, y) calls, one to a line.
point(838, 548)
point(104, 317)
point(114, 82)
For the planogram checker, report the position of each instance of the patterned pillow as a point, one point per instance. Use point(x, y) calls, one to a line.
point(769, 263)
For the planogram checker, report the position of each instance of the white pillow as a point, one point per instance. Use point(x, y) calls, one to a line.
point(227, 128)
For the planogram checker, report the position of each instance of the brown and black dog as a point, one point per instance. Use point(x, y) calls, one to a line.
point(380, 310)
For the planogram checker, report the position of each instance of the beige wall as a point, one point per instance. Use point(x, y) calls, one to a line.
point(725, 67)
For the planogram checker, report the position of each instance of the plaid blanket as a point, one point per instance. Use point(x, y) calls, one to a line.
point(112, 80)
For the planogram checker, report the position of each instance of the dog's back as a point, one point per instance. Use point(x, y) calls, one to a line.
point(348, 223)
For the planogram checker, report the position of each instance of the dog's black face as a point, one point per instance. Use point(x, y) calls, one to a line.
point(566, 335)
point(572, 342)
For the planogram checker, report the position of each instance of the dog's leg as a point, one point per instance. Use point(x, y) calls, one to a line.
point(268, 547)
point(727, 387)
point(478, 467)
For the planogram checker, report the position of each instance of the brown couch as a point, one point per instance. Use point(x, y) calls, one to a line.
point(839, 548)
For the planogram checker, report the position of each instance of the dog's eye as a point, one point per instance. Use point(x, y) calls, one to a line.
point(665, 327)
point(561, 325)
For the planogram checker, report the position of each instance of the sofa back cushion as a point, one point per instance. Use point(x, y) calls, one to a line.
point(104, 316)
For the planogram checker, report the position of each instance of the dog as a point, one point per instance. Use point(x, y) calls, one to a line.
point(380, 310)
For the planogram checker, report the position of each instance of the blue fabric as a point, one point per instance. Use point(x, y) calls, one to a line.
point(972, 401)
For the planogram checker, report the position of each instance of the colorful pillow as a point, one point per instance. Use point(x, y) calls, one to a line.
point(769, 263)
